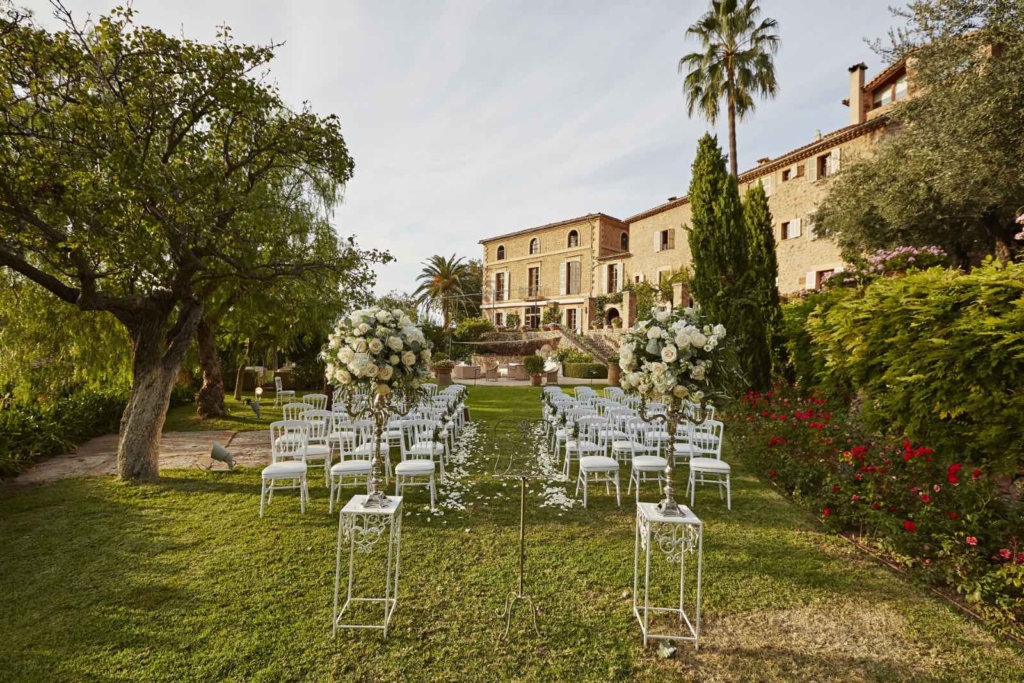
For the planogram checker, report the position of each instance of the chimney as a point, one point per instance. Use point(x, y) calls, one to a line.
point(857, 112)
point(817, 135)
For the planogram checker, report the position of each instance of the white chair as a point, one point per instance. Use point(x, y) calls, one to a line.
point(418, 450)
point(291, 411)
point(288, 443)
point(315, 401)
point(430, 390)
point(280, 393)
point(354, 466)
point(595, 469)
point(706, 464)
point(321, 424)
point(644, 458)
point(364, 448)
point(578, 442)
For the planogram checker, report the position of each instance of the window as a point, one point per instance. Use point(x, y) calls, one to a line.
point(767, 183)
point(664, 240)
point(901, 88)
point(501, 252)
point(532, 317)
point(800, 170)
point(573, 273)
point(570, 318)
point(821, 277)
point(791, 229)
point(499, 319)
point(638, 279)
point(882, 96)
point(533, 282)
point(499, 286)
point(785, 174)
point(574, 239)
point(613, 279)
point(825, 165)
point(624, 241)
point(535, 246)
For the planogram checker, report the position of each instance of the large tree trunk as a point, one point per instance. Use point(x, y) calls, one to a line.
point(156, 358)
point(210, 399)
point(732, 138)
point(240, 375)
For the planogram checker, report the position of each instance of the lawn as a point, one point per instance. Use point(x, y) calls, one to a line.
point(180, 580)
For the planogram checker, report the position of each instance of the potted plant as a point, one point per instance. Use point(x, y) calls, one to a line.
point(617, 323)
point(443, 371)
point(534, 368)
point(512, 321)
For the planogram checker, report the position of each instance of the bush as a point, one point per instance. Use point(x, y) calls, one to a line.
point(585, 370)
point(929, 510)
point(30, 431)
point(937, 356)
point(568, 355)
point(534, 365)
point(552, 314)
point(472, 329)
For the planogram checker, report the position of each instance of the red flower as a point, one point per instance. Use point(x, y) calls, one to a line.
point(855, 497)
point(909, 526)
point(976, 475)
point(951, 473)
point(772, 474)
point(971, 540)
point(858, 452)
point(953, 515)
point(1005, 553)
point(826, 512)
point(835, 489)
point(776, 441)
point(893, 508)
point(925, 498)
point(876, 506)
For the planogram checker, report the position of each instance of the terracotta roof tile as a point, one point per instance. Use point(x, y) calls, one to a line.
point(578, 219)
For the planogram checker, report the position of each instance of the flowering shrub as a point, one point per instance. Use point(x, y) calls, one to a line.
point(929, 510)
point(377, 347)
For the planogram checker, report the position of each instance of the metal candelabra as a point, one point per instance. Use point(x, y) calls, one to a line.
point(675, 413)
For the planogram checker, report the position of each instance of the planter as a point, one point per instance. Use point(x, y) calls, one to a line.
point(552, 377)
point(535, 380)
point(444, 379)
point(613, 374)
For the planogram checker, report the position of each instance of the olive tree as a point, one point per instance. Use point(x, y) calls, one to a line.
point(136, 170)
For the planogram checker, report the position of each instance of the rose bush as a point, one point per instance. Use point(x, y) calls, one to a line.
point(929, 510)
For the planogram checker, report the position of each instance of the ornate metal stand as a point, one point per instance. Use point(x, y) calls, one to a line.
point(676, 536)
point(509, 437)
point(363, 529)
point(674, 415)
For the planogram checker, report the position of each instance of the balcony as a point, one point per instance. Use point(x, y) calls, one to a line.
point(541, 292)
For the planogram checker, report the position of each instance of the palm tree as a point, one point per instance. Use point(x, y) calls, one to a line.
point(734, 63)
point(441, 285)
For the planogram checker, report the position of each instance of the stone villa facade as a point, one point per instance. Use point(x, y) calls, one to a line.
point(574, 261)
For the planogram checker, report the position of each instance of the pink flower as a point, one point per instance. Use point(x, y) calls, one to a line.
point(855, 497)
point(936, 488)
point(925, 498)
point(971, 540)
point(1005, 553)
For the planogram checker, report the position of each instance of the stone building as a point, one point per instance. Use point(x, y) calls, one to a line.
point(572, 262)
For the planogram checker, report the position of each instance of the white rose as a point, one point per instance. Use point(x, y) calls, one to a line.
point(385, 373)
point(335, 342)
point(680, 391)
point(697, 373)
point(342, 377)
point(698, 340)
point(669, 354)
point(376, 346)
point(662, 316)
point(383, 389)
point(383, 317)
point(394, 360)
point(363, 329)
point(360, 346)
point(371, 370)
point(408, 358)
point(720, 331)
point(395, 343)
point(426, 356)
point(654, 333)
point(345, 355)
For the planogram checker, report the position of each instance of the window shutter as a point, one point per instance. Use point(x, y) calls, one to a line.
point(657, 241)
point(671, 238)
point(812, 280)
point(835, 160)
point(561, 279)
point(508, 286)
point(795, 227)
point(767, 182)
point(809, 225)
point(618, 276)
point(812, 174)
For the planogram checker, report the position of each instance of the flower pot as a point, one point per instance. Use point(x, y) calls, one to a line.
point(444, 379)
point(535, 380)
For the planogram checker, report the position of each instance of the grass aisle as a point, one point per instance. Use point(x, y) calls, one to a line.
point(181, 581)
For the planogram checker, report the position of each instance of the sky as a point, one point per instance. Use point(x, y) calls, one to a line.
point(469, 119)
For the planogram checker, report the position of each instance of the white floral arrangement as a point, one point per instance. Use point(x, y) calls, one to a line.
point(671, 357)
point(377, 347)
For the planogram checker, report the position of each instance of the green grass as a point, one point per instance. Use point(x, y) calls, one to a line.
point(180, 580)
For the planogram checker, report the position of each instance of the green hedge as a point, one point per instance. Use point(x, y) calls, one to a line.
point(936, 356)
point(585, 370)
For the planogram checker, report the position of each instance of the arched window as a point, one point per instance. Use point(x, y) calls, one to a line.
point(625, 241)
point(535, 246)
point(501, 252)
point(574, 239)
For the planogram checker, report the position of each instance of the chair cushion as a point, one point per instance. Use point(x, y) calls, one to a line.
point(285, 468)
point(573, 445)
point(598, 463)
point(426, 449)
point(367, 449)
point(649, 462)
point(415, 467)
point(317, 451)
point(625, 445)
point(350, 466)
point(335, 436)
point(709, 465)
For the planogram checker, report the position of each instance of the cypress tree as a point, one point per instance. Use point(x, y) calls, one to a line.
point(762, 276)
point(718, 247)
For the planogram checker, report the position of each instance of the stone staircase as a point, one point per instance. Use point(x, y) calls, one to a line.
point(595, 346)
